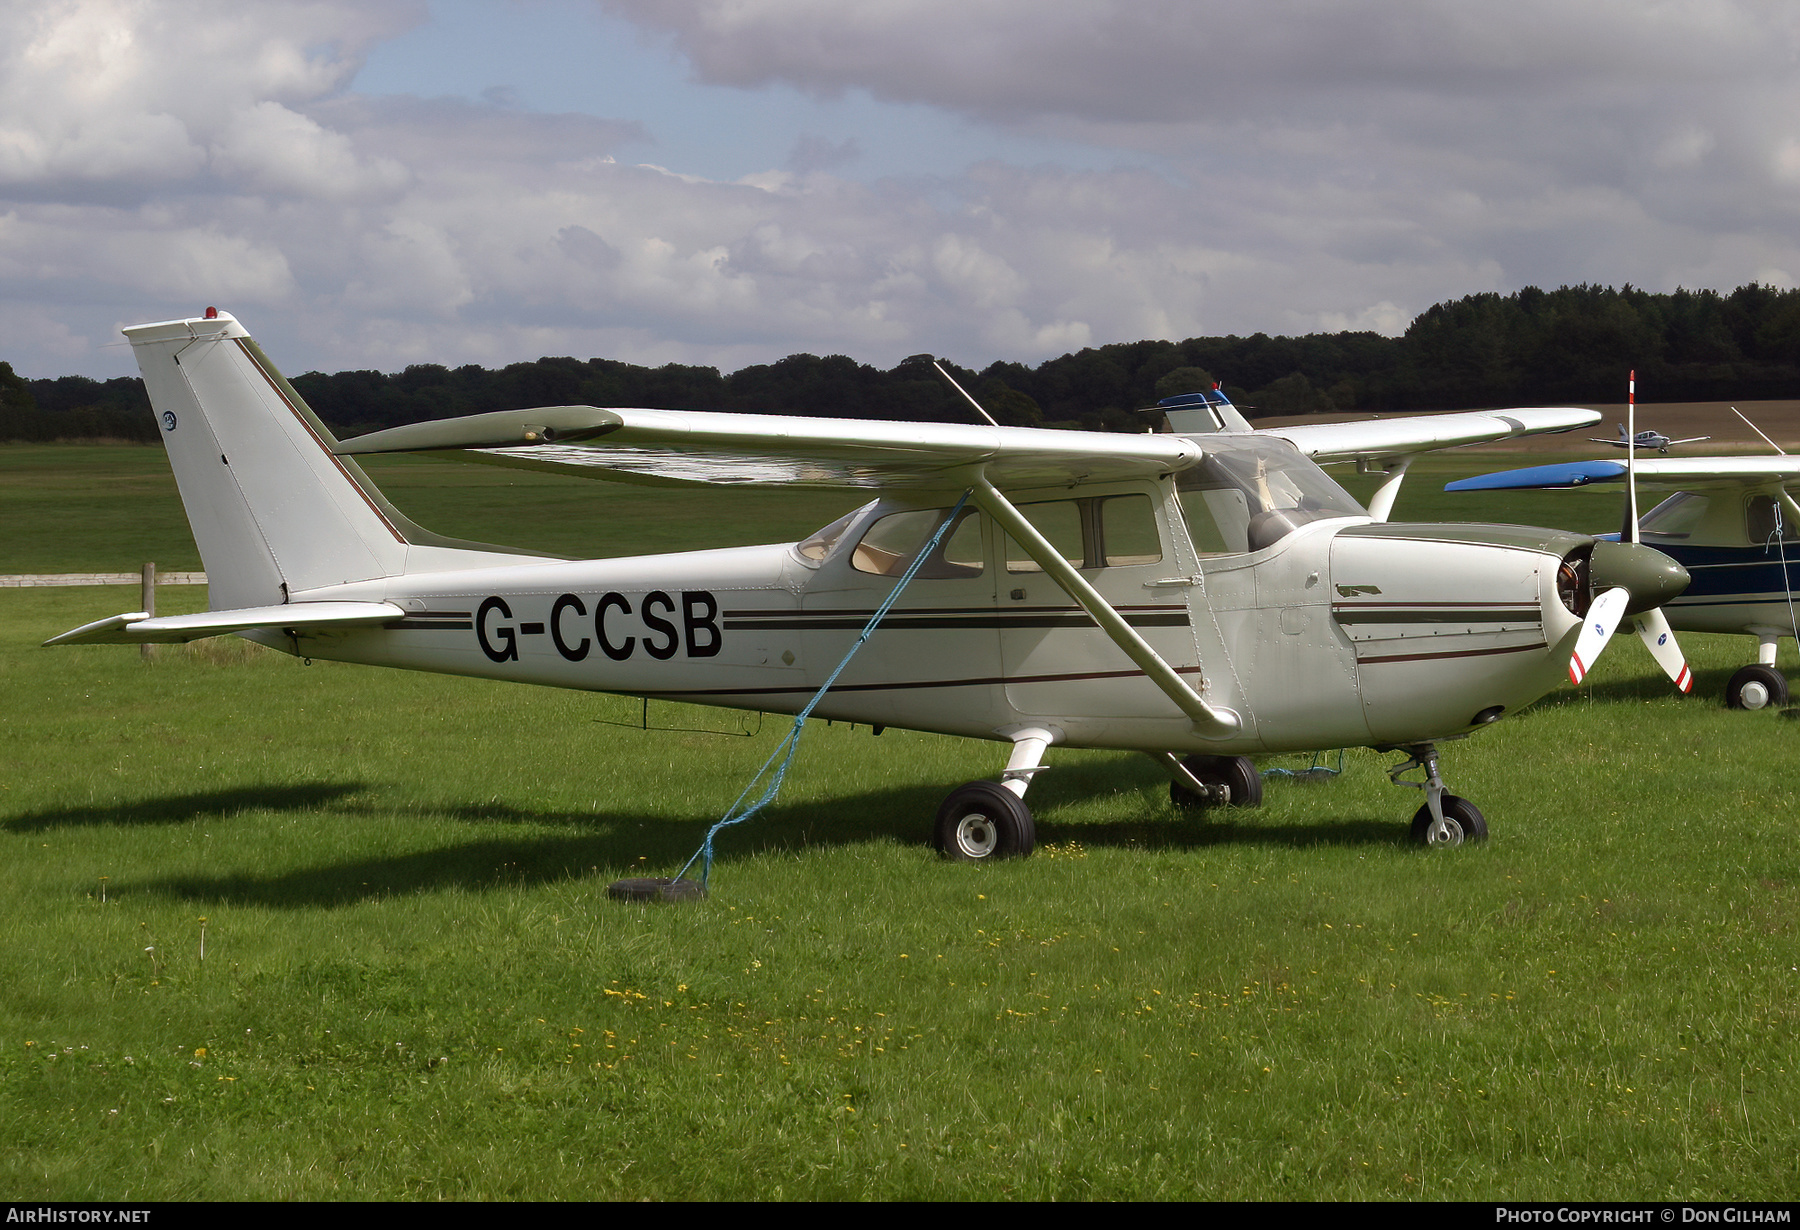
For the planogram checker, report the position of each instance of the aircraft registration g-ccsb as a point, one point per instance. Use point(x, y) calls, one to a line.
point(1200, 593)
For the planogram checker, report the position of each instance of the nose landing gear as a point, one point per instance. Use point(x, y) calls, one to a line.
point(1446, 819)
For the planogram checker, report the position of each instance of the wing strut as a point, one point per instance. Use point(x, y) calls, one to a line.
point(1210, 721)
point(1382, 504)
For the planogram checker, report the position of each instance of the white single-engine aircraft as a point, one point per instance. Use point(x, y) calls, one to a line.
point(1731, 524)
point(1198, 594)
point(1646, 440)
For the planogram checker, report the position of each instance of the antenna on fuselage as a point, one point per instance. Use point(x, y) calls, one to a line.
point(952, 379)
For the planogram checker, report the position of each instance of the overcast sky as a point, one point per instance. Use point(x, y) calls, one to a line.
point(372, 184)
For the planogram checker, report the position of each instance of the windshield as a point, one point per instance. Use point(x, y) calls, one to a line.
point(819, 545)
point(1676, 517)
point(1252, 491)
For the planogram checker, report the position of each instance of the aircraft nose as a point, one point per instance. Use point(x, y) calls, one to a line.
point(1650, 577)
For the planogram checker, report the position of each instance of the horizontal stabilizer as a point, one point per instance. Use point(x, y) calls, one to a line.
point(1542, 478)
point(137, 628)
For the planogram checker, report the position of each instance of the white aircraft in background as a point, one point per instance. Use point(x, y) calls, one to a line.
point(1200, 594)
point(1646, 440)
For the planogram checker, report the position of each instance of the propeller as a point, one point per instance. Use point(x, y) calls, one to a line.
point(1634, 581)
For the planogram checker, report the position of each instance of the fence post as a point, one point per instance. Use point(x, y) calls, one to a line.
point(148, 651)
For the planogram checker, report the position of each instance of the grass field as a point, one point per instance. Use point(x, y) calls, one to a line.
point(273, 931)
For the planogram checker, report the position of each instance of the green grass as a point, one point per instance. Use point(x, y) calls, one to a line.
point(414, 985)
point(99, 508)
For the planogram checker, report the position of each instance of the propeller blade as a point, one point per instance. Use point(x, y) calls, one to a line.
point(1654, 630)
point(1602, 618)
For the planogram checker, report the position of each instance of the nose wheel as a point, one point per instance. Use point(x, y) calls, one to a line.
point(1461, 822)
point(1445, 820)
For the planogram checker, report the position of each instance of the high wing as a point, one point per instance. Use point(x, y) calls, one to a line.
point(701, 446)
point(1651, 471)
point(1381, 439)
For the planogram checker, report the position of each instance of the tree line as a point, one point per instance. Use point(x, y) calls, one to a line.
point(1534, 347)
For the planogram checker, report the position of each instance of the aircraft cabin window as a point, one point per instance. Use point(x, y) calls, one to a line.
point(1766, 515)
point(1675, 517)
point(1059, 521)
point(1099, 532)
point(890, 544)
point(1128, 531)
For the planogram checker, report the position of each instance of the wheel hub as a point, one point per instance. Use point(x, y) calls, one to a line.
point(1755, 695)
point(976, 835)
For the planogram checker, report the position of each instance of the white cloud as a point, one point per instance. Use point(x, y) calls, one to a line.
point(1313, 165)
point(131, 93)
point(270, 150)
point(1166, 61)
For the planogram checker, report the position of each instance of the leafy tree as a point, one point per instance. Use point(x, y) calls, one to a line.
point(1183, 380)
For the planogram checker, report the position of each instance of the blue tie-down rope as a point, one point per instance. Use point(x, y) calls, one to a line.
point(790, 744)
point(1313, 772)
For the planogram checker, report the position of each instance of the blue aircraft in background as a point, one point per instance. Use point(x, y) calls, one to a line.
point(1731, 523)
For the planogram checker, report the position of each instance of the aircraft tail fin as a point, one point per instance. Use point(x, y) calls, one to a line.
point(274, 509)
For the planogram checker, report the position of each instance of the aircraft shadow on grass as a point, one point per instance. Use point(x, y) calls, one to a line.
point(183, 808)
point(1707, 683)
point(608, 845)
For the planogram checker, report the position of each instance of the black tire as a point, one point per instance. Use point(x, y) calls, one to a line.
point(1756, 687)
point(1237, 772)
point(1465, 821)
point(983, 821)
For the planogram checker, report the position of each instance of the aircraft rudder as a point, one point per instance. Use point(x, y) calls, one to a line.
point(272, 508)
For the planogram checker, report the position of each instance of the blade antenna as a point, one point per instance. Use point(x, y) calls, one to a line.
point(1759, 431)
point(978, 410)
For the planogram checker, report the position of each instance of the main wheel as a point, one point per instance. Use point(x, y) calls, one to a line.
point(984, 820)
point(1756, 687)
point(1237, 772)
point(1462, 817)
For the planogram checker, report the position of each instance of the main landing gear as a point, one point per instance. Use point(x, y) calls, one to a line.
point(985, 820)
point(1760, 685)
point(1756, 687)
point(1212, 781)
point(1445, 820)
